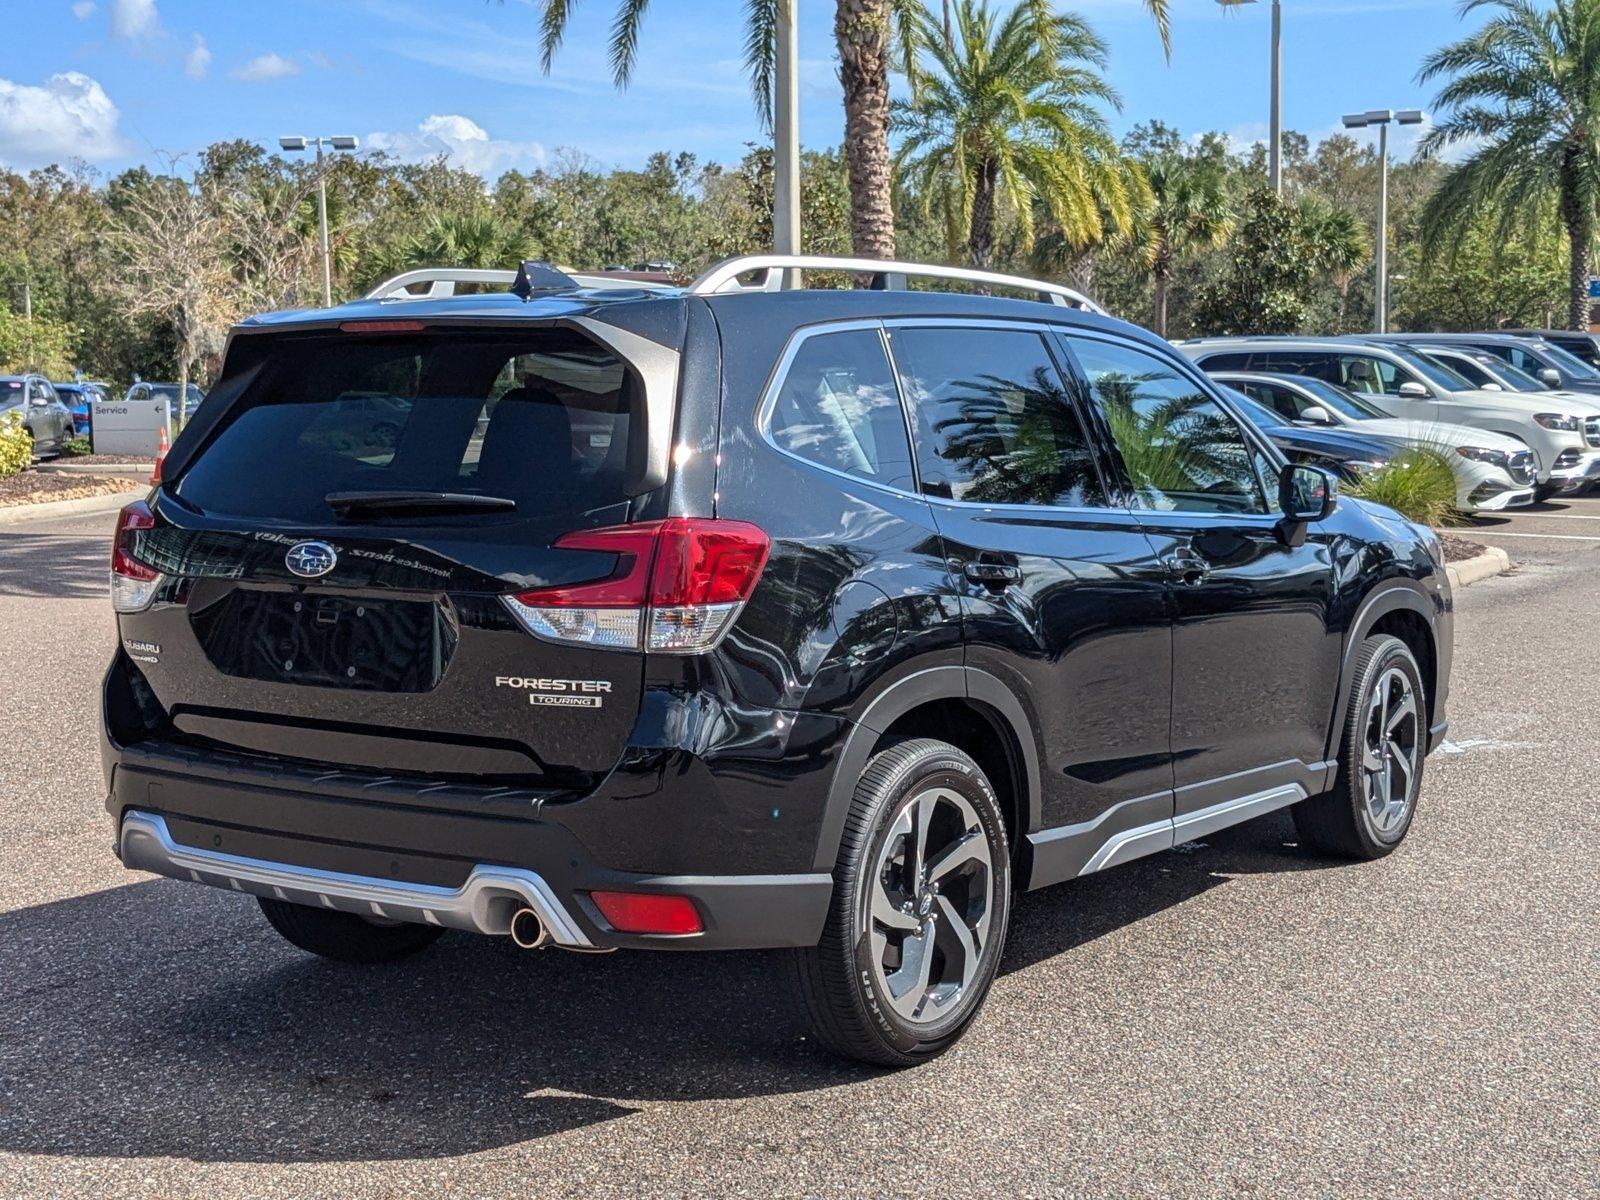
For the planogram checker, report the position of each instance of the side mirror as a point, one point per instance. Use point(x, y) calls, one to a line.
point(40, 402)
point(1490, 387)
point(1306, 494)
point(1550, 377)
point(1414, 390)
point(1315, 415)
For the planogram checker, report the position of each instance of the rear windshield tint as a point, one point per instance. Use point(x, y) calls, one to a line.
point(539, 418)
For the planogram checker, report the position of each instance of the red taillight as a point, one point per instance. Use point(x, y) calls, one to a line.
point(675, 587)
point(707, 562)
point(133, 584)
point(135, 516)
point(636, 912)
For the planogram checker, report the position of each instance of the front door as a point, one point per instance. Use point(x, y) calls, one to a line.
point(1252, 646)
point(1061, 600)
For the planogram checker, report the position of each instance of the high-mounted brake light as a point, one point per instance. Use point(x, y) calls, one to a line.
point(675, 586)
point(381, 327)
point(133, 583)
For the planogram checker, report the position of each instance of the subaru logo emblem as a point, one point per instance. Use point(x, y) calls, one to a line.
point(311, 559)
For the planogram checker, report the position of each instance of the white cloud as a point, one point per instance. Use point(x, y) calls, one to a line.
point(69, 116)
point(466, 143)
point(83, 9)
point(198, 61)
point(133, 19)
point(264, 67)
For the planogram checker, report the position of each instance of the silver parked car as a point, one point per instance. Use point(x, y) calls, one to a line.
point(44, 414)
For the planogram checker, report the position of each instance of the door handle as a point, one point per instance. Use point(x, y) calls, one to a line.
point(1187, 567)
point(992, 574)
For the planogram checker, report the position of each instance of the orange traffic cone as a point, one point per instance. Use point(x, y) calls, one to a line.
point(161, 453)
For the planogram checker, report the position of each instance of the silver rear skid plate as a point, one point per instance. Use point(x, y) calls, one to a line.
point(483, 904)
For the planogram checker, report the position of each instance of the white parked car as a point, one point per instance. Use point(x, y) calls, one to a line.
point(1495, 472)
point(1407, 386)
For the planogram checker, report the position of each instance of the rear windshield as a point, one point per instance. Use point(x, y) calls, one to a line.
point(539, 418)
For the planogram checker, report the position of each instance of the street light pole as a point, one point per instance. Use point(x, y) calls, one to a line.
point(1275, 155)
point(322, 230)
point(337, 143)
point(786, 134)
point(1381, 299)
point(1275, 146)
point(1381, 117)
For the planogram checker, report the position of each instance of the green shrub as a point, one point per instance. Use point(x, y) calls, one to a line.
point(16, 445)
point(76, 447)
point(1420, 485)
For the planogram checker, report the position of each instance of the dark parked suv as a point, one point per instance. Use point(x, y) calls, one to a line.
point(739, 616)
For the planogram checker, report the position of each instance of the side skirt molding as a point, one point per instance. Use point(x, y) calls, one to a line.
point(1153, 837)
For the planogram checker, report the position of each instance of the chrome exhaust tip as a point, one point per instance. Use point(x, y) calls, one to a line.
point(528, 930)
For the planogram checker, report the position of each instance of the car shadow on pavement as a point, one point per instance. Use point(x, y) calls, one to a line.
point(62, 568)
point(162, 1019)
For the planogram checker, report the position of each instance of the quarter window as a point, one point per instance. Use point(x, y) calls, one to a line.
point(839, 408)
point(992, 420)
point(1182, 451)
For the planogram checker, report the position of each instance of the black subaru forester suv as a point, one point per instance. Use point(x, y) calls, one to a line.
point(738, 616)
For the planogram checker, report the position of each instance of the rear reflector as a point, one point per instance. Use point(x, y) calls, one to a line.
point(133, 584)
point(635, 912)
point(674, 587)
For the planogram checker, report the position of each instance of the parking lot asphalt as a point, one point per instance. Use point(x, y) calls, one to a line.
point(1231, 1018)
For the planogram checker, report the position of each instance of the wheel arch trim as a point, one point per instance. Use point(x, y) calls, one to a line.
point(948, 682)
point(1380, 603)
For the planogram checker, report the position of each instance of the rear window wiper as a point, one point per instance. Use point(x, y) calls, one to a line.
point(414, 503)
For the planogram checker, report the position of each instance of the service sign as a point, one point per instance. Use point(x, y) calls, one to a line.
point(131, 426)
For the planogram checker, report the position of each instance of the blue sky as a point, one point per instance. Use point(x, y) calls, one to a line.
point(117, 82)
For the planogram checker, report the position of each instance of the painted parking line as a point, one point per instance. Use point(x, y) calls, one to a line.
point(1548, 537)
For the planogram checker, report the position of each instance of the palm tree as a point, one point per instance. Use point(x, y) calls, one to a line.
point(1524, 92)
point(1334, 237)
point(1005, 115)
point(477, 238)
point(1189, 212)
point(870, 36)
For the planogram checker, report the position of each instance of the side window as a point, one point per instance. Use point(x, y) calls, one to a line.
point(1280, 400)
point(1182, 451)
point(838, 407)
point(993, 421)
point(1318, 365)
point(1224, 362)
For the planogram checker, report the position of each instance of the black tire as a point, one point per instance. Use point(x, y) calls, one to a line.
point(851, 1007)
point(1544, 491)
point(345, 937)
point(1343, 821)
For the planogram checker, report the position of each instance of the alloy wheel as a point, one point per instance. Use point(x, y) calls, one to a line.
point(1391, 752)
point(930, 905)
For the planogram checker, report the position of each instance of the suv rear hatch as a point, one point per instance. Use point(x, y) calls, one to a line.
point(329, 572)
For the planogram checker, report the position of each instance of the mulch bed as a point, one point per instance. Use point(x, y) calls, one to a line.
point(1456, 549)
point(35, 487)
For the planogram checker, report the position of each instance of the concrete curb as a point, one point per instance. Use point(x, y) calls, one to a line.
point(18, 514)
point(1493, 561)
point(130, 470)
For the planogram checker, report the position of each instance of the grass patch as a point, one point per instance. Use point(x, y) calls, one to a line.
point(1420, 486)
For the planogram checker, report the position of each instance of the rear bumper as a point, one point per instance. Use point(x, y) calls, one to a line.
point(737, 911)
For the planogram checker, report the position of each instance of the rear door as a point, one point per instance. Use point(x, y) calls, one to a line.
point(361, 635)
point(1061, 596)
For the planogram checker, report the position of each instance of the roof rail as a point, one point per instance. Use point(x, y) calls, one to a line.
point(886, 276)
point(442, 282)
